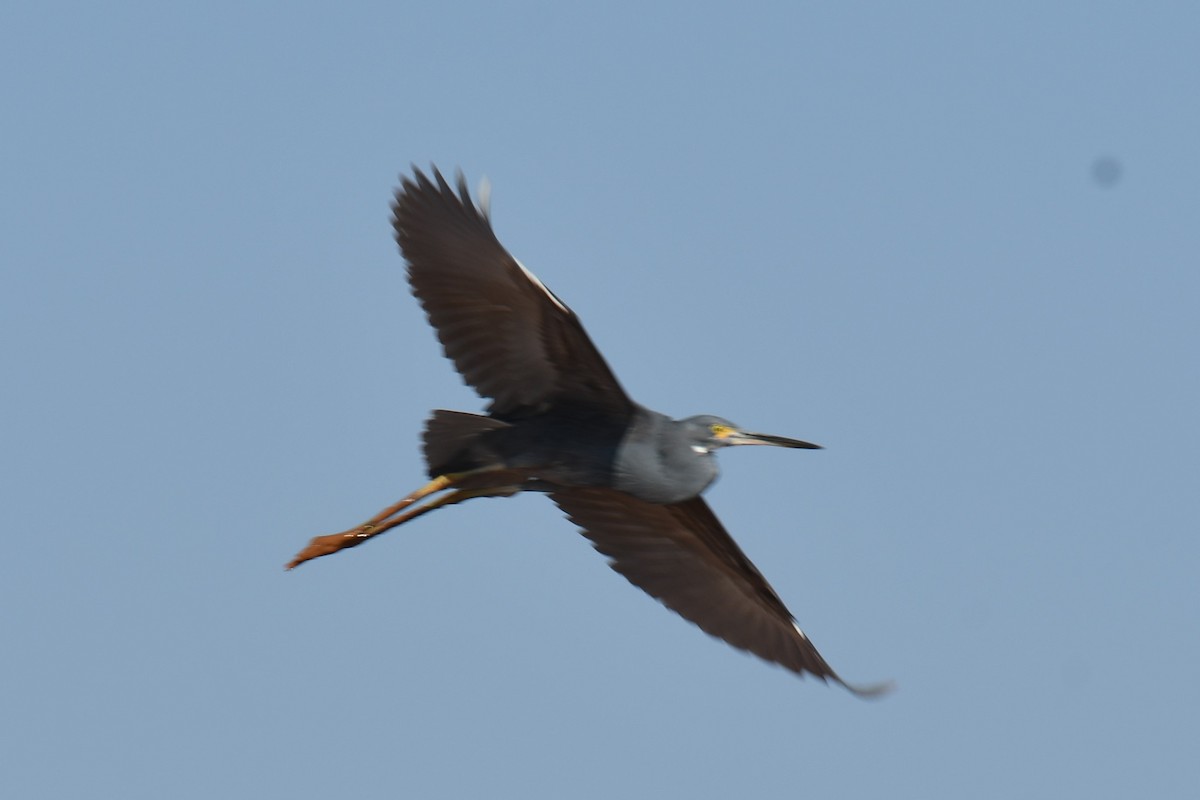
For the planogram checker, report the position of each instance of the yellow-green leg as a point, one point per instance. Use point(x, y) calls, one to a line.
point(390, 517)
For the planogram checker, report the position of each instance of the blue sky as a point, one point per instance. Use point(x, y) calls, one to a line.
point(871, 226)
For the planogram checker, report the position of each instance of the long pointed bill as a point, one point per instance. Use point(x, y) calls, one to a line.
point(745, 437)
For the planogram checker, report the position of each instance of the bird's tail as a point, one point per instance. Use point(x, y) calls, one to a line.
point(449, 438)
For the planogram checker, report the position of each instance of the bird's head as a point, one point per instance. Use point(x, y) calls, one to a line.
point(707, 433)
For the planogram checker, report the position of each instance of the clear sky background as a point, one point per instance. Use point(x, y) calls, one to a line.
point(956, 245)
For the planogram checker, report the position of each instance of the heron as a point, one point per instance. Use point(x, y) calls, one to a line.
point(559, 422)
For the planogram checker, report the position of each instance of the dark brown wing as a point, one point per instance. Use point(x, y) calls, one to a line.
point(509, 336)
point(682, 555)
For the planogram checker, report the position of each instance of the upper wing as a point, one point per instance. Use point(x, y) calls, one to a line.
point(508, 335)
point(682, 555)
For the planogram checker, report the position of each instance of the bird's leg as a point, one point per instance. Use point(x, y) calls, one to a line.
point(391, 516)
point(454, 496)
point(433, 487)
point(332, 543)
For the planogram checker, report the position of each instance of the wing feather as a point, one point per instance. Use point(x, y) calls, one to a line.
point(509, 336)
point(682, 555)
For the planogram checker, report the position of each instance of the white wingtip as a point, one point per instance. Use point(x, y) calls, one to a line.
point(871, 690)
point(485, 196)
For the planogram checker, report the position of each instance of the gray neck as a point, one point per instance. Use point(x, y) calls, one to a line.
point(656, 461)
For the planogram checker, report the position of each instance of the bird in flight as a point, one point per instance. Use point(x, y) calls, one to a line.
point(560, 423)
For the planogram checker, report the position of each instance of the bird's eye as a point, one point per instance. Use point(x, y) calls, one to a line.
point(720, 431)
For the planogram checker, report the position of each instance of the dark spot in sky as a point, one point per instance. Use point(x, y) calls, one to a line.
point(1107, 171)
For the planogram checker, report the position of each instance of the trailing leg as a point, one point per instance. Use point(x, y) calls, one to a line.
point(485, 482)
